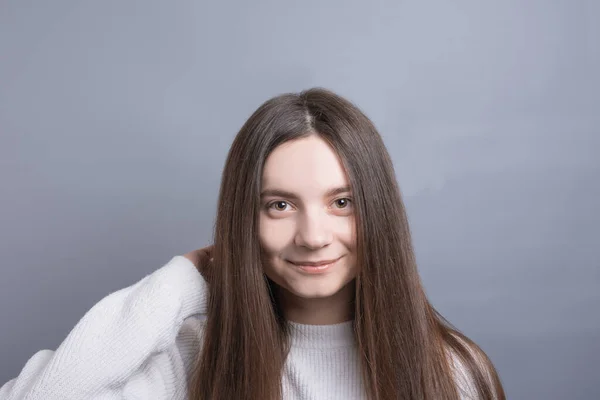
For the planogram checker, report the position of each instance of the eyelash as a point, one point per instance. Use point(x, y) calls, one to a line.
point(271, 204)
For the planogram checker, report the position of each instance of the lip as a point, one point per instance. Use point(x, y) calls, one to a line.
point(316, 269)
point(314, 263)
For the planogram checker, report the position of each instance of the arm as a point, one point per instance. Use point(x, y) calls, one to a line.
point(123, 347)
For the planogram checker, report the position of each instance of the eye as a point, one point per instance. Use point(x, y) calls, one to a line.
point(278, 205)
point(343, 202)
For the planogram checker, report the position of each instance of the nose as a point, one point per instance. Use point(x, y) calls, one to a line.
point(314, 230)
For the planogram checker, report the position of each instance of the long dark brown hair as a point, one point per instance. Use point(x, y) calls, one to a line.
point(406, 348)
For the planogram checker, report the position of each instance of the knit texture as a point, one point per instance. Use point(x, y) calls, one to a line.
point(140, 343)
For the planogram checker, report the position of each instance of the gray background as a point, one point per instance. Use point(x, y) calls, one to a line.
point(116, 117)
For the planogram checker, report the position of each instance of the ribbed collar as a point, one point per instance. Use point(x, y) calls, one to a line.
point(322, 336)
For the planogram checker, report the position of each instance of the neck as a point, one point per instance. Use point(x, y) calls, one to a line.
point(330, 310)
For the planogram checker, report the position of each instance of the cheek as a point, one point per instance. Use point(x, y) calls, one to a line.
point(275, 235)
point(347, 233)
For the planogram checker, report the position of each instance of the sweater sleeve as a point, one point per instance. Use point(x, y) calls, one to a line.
point(124, 347)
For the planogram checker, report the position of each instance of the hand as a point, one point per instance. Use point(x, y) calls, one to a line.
point(201, 257)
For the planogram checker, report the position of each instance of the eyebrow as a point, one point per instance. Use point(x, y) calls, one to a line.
point(291, 195)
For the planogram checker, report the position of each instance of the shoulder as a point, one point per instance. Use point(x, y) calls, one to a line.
point(463, 377)
point(472, 369)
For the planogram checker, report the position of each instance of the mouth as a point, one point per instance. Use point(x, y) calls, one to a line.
point(315, 267)
point(314, 263)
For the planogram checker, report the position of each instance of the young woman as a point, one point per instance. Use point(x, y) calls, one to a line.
point(310, 291)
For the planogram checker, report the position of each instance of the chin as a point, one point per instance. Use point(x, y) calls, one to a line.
point(312, 293)
point(314, 289)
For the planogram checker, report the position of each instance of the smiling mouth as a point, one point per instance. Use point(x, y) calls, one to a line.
point(314, 263)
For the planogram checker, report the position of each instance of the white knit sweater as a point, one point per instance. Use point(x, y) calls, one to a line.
point(140, 342)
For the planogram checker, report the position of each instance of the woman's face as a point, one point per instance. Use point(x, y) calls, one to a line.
point(307, 216)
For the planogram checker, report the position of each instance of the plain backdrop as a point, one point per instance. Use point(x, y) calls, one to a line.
point(116, 118)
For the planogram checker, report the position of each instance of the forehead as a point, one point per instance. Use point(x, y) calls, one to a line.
point(305, 164)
